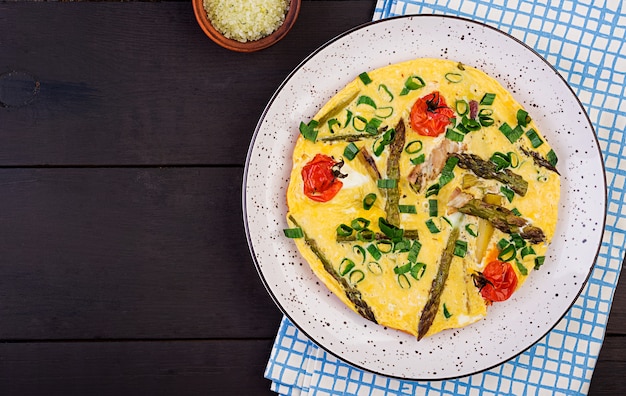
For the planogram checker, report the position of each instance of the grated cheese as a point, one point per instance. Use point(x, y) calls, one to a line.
point(246, 20)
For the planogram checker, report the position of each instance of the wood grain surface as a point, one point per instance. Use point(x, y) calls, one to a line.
point(125, 267)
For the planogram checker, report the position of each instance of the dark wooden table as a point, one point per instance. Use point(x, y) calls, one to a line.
point(125, 268)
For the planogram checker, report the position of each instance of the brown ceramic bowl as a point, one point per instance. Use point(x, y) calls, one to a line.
point(249, 46)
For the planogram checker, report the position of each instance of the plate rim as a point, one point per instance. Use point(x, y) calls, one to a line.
point(278, 90)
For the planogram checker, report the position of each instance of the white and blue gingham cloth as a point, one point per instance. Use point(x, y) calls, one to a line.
point(585, 42)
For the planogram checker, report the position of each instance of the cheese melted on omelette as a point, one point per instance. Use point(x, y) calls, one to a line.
point(409, 217)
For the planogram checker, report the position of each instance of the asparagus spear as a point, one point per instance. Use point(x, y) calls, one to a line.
point(353, 294)
point(504, 220)
point(408, 234)
point(487, 170)
point(333, 111)
point(351, 137)
point(393, 172)
point(540, 161)
point(436, 289)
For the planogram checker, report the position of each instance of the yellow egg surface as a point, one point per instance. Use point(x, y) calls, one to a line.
point(422, 193)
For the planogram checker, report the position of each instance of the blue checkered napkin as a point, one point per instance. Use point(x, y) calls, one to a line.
point(584, 40)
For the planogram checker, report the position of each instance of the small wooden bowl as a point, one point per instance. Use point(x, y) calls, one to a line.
point(249, 46)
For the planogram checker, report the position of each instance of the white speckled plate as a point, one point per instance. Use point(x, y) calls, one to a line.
point(510, 327)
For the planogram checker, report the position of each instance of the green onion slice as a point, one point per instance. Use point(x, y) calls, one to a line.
point(539, 260)
point(419, 159)
point(414, 147)
point(486, 121)
point(508, 253)
point(366, 100)
point(430, 224)
point(374, 251)
point(470, 123)
point(384, 112)
point(366, 235)
point(332, 123)
point(522, 117)
point(534, 138)
point(359, 123)
point(372, 126)
point(407, 209)
point(432, 190)
point(501, 160)
point(453, 135)
point(345, 266)
point(527, 251)
point(403, 269)
point(359, 223)
point(402, 246)
point(359, 251)
point(309, 131)
point(460, 248)
point(454, 77)
point(412, 83)
point(365, 78)
point(404, 282)
point(488, 99)
point(470, 230)
point(344, 230)
point(368, 201)
point(502, 243)
point(374, 268)
point(520, 267)
point(517, 240)
point(511, 133)
point(417, 271)
point(446, 313)
point(293, 232)
point(384, 246)
point(461, 107)
point(385, 92)
point(350, 151)
point(516, 212)
point(378, 146)
point(433, 210)
point(394, 233)
point(414, 251)
point(552, 158)
point(447, 173)
point(356, 276)
point(507, 192)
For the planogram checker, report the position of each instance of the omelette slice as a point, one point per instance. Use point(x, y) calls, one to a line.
point(422, 193)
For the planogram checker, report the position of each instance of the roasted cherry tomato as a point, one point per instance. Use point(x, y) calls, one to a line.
point(321, 178)
point(430, 115)
point(497, 282)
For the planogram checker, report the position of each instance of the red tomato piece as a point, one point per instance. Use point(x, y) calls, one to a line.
point(501, 281)
point(430, 115)
point(320, 180)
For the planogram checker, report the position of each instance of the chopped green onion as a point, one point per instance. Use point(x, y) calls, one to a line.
point(414, 251)
point(412, 83)
point(460, 248)
point(359, 223)
point(488, 99)
point(359, 123)
point(293, 232)
point(348, 117)
point(350, 151)
point(461, 128)
point(534, 138)
point(309, 130)
point(414, 147)
point(417, 271)
point(453, 135)
point(470, 230)
point(527, 251)
point(418, 160)
point(407, 209)
point(378, 146)
point(520, 267)
point(502, 243)
point(522, 117)
point(331, 124)
point(514, 158)
point(432, 190)
point(403, 269)
point(470, 123)
point(359, 251)
point(366, 100)
point(387, 183)
point(454, 77)
point(402, 246)
point(368, 201)
point(446, 313)
point(394, 233)
point(433, 210)
point(485, 112)
point(507, 192)
point(552, 158)
point(517, 240)
point(516, 212)
point(386, 93)
point(374, 252)
point(356, 276)
point(345, 266)
point(374, 268)
point(366, 235)
point(365, 78)
point(384, 112)
point(508, 253)
point(403, 281)
point(486, 121)
point(447, 173)
point(539, 260)
point(384, 246)
point(501, 160)
point(461, 107)
point(511, 133)
point(430, 224)
point(344, 230)
point(372, 126)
